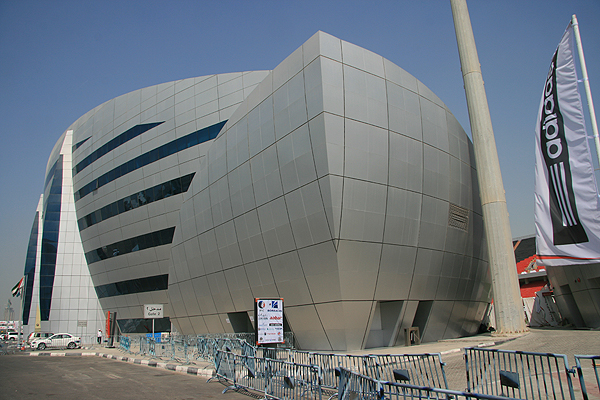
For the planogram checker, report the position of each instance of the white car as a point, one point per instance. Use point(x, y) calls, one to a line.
point(13, 336)
point(58, 340)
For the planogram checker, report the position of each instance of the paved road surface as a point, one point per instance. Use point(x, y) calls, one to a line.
point(96, 378)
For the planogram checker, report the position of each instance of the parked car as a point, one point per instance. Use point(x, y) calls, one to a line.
point(58, 340)
point(12, 336)
point(38, 335)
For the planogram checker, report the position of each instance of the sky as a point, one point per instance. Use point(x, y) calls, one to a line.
point(60, 59)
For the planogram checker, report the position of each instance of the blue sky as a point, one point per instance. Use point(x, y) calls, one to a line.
point(59, 59)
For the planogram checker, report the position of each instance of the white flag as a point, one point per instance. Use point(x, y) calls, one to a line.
point(567, 206)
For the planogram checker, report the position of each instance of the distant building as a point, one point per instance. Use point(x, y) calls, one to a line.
point(574, 289)
point(337, 181)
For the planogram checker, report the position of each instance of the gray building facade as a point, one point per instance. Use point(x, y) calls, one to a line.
point(337, 181)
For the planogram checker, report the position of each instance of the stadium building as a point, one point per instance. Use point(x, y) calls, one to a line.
point(337, 181)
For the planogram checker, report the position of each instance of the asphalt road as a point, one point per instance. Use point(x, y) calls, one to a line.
point(83, 378)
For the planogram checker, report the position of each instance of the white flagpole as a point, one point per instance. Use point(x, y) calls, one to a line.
point(21, 309)
point(586, 83)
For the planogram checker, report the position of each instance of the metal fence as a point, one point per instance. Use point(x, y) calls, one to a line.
point(519, 374)
point(288, 373)
point(354, 385)
point(593, 361)
point(273, 378)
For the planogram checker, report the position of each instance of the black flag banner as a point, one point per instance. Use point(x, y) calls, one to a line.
point(567, 206)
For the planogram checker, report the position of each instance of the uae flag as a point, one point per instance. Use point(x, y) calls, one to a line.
point(16, 290)
point(567, 206)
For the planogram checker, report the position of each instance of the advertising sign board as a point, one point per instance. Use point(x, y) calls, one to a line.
point(268, 316)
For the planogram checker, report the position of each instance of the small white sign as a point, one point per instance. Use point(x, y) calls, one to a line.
point(153, 310)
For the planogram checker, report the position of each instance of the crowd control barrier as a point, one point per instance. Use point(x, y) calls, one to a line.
point(354, 385)
point(519, 374)
point(416, 369)
point(274, 378)
point(595, 364)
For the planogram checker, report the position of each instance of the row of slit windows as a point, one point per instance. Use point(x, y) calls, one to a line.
point(142, 242)
point(113, 144)
point(30, 266)
point(140, 285)
point(159, 153)
point(51, 227)
point(158, 192)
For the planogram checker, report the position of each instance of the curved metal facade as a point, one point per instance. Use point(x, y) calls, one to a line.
point(133, 159)
point(337, 182)
point(344, 186)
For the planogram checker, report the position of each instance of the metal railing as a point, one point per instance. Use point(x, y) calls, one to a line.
point(354, 385)
point(274, 378)
point(519, 374)
point(288, 373)
point(595, 365)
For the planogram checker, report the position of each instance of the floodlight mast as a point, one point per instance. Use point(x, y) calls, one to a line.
point(508, 306)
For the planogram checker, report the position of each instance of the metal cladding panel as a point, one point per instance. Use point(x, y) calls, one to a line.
point(335, 186)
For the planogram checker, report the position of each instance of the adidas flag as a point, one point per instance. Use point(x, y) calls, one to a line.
point(567, 206)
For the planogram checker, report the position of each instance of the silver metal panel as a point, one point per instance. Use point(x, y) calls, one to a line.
point(265, 176)
point(367, 152)
point(365, 97)
point(345, 323)
point(434, 222)
point(358, 265)
point(307, 328)
point(260, 278)
point(289, 106)
point(363, 212)
point(331, 191)
point(320, 266)
point(289, 278)
point(220, 292)
point(404, 111)
point(406, 163)
point(395, 272)
point(402, 220)
point(438, 320)
point(295, 159)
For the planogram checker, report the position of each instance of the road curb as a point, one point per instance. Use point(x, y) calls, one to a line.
point(479, 345)
point(186, 369)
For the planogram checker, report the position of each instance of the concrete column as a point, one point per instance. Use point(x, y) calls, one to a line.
point(508, 305)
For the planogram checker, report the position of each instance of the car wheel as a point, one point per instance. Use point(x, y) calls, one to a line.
point(71, 345)
point(41, 346)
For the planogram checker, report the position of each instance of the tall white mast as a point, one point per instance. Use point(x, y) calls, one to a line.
point(508, 305)
point(586, 83)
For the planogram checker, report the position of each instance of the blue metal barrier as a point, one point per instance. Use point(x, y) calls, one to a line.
point(595, 366)
point(354, 385)
point(417, 369)
point(274, 378)
point(125, 343)
point(519, 374)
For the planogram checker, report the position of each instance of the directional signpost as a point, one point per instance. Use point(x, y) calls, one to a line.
point(153, 311)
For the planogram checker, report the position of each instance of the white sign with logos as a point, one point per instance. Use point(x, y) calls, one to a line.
point(153, 310)
point(269, 320)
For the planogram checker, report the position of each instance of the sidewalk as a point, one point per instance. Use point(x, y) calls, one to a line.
point(198, 367)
